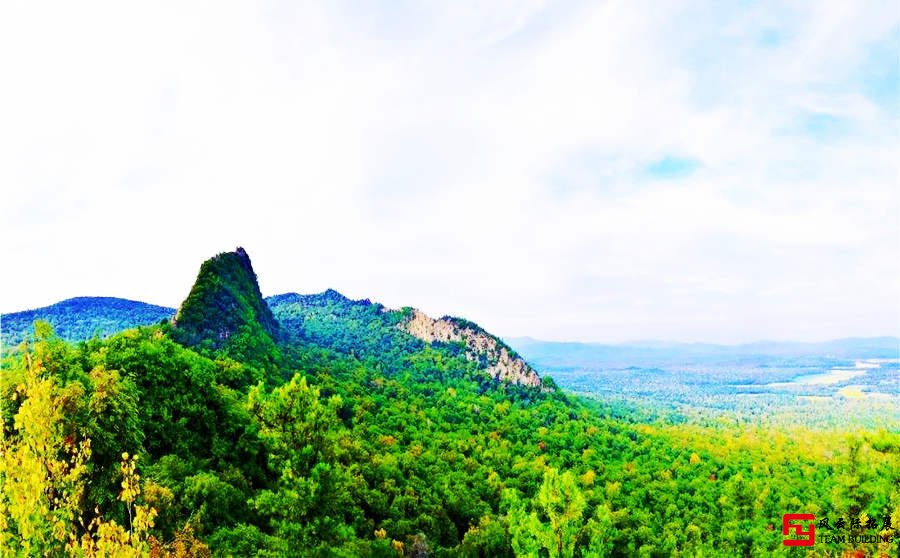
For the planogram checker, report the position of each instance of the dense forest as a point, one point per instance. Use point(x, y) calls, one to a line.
point(81, 318)
point(318, 426)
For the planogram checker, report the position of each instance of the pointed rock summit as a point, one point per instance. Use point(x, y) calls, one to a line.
point(225, 308)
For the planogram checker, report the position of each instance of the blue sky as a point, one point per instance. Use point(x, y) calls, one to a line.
point(595, 171)
point(671, 166)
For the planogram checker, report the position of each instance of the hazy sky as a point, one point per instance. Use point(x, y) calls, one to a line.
point(598, 171)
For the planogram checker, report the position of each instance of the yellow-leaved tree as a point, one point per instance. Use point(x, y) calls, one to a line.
point(42, 466)
point(107, 538)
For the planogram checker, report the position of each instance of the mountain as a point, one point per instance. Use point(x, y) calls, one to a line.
point(369, 330)
point(225, 313)
point(79, 319)
point(225, 310)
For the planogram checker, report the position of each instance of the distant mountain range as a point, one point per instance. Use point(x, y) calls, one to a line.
point(638, 353)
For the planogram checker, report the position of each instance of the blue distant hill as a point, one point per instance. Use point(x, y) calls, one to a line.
point(81, 318)
point(555, 354)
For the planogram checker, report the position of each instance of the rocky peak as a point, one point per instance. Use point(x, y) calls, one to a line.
point(503, 363)
point(244, 259)
point(224, 300)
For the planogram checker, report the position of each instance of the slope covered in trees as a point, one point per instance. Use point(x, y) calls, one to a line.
point(79, 319)
point(352, 327)
point(365, 441)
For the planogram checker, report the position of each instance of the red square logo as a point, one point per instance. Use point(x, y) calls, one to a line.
point(808, 534)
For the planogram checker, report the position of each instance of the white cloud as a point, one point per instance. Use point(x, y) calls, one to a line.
point(480, 163)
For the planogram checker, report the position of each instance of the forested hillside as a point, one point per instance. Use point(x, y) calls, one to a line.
point(79, 319)
point(322, 427)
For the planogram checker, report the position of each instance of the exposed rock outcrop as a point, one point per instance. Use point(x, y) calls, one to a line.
point(502, 362)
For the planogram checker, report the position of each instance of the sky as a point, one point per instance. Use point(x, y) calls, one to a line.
point(591, 171)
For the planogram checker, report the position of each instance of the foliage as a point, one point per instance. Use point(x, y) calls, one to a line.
point(226, 314)
point(107, 538)
point(354, 439)
point(357, 328)
point(81, 318)
point(43, 462)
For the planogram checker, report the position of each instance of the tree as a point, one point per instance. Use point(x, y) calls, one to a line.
point(46, 461)
point(312, 502)
point(556, 519)
point(42, 460)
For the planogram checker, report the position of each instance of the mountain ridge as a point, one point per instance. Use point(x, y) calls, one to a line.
point(226, 314)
